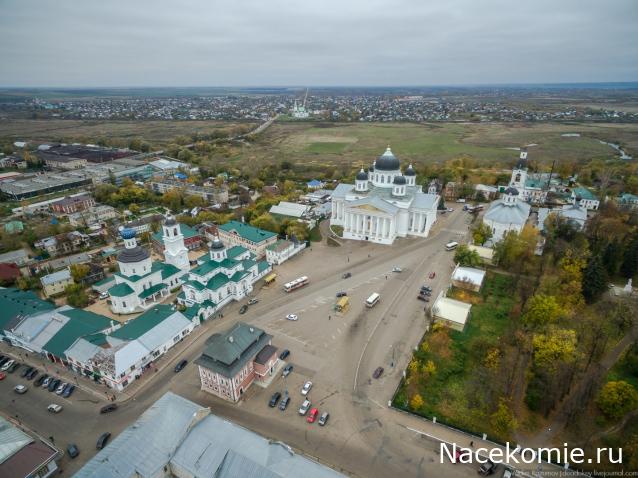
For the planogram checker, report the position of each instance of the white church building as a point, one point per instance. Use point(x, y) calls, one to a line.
point(529, 187)
point(221, 276)
point(509, 213)
point(140, 282)
point(384, 203)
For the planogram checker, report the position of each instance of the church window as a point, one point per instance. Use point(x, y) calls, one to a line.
point(382, 179)
point(517, 178)
point(123, 303)
point(175, 231)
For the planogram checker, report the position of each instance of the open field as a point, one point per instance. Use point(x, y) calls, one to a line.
point(158, 133)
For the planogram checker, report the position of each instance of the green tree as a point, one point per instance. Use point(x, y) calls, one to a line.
point(79, 272)
point(542, 310)
point(612, 257)
point(502, 420)
point(558, 345)
point(481, 233)
point(76, 296)
point(265, 221)
point(467, 257)
point(185, 155)
point(629, 267)
point(134, 208)
point(595, 279)
point(617, 398)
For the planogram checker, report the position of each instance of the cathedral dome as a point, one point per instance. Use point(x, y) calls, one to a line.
point(217, 244)
point(127, 233)
point(170, 220)
point(134, 254)
point(399, 180)
point(512, 191)
point(361, 176)
point(410, 171)
point(387, 162)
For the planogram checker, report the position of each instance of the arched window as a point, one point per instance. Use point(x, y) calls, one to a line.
point(382, 178)
point(175, 231)
point(517, 178)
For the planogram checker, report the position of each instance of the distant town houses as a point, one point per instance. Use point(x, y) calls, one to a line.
point(585, 198)
point(144, 224)
point(54, 284)
point(282, 250)
point(93, 215)
point(73, 204)
point(211, 194)
point(233, 360)
point(192, 239)
point(572, 213)
point(629, 201)
point(64, 243)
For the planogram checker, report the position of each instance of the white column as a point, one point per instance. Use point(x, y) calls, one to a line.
point(377, 231)
point(385, 227)
point(422, 222)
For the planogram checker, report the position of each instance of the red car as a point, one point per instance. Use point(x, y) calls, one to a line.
point(3, 375)
point(432, 275)
point(313, 415)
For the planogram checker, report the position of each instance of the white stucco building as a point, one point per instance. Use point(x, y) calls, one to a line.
point(221, 276)
point(507, 214)
point(383, 204)
point(140, 282)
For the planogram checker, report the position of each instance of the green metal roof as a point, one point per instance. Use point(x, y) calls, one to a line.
point(137, 327)
point(262, 266)
point(18, 302)
point(248, 263)
point(151, 290)
point(235, 251)
point(195, 285)
point(247, 232)
point(211, 265)
point(584, 193)
point(81, 323)
point(167, 270)
point(217, 281)
point(226, 356)
point(239, 275)
point(187, 231)
point(121, 290)
point(104, 281)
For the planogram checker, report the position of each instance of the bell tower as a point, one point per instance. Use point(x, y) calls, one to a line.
point(175, 251)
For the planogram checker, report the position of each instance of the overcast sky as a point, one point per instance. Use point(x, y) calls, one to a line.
point(315, 42)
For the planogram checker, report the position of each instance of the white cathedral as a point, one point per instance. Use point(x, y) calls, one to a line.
point(530, 187)
point(384, 203)
point(140, 282)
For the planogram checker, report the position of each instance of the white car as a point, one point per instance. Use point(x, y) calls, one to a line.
point(61, 388)
point(397, 269)
point(54, 408)
point(306, 387)
point(292, 317)
point(104, 295)
point(20, 389)
point(6, 366)
point(305, 406)
point(450, 209)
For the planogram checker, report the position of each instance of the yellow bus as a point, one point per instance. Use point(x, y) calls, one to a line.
point(342, 304)
point(270, 278)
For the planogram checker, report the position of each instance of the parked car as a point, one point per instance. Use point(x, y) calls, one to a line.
point(101, 442)
point(73, 450)
point(40, 380)
point(378, 372)
point(13, 367)
point(292, 317)
point(274, 399)
point(33, 374)
point(69, 390)
point(346, 275)
point(20, 389)
point(54, 408)
point(422, 297)
point(323, 419)
point(61, 388)
point(47, 381)
point(306, 387)
point(180, 365)
point(26, 372)
point(284, 403)
point(426, 287)
point(111, 407)
point(3, 375)
point(507, 473)
point(287, 370)
point(253, 301)
point(487, 468)
point(243, 309)
point(7, 365)
point(104, 295)
point(284, 354)
point(397, 269)
point(450, 209)
point(313, 415)
point(305, 406)
point(3, 361)
point(342, 294)
point(54, 384)
point(432, 275)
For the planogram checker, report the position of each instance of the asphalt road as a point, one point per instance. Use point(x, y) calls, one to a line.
point(338, 352)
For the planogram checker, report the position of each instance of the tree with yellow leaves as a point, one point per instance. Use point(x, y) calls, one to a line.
point(558, 345)
point(416, 402)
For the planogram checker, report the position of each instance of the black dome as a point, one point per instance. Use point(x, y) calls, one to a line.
point(387, 162)
point(361, 176)
point(371, 168)
point(399, 180)
point(217, 244)
point(170, 221)
point(135, 254)
point(410, 171)
point(512, 191)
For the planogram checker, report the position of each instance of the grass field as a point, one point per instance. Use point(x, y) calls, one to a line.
point(158, 133)
point(446, 394)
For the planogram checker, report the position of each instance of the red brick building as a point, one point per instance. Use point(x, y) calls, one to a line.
point(233, 360)
point(70, 205)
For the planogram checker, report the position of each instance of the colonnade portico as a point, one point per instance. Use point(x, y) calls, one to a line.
point(418, 221)
point(368, 225)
